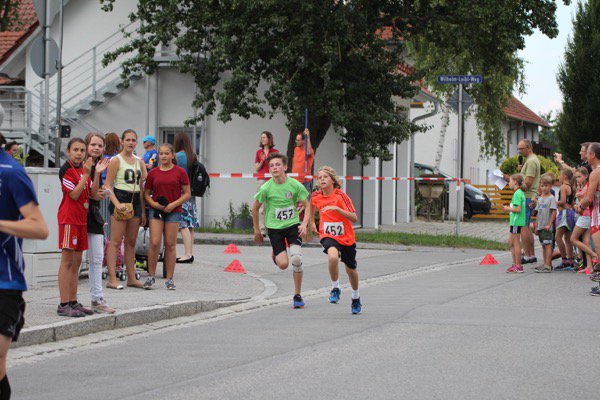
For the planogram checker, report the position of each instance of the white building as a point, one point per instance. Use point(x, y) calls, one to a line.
point(94, 99)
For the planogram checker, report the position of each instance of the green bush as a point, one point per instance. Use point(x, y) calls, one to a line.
point(509, 166)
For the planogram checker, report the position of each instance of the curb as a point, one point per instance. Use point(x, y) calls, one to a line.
point(97, 323)
point(266, 243)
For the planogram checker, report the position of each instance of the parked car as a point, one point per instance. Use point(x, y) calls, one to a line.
point(476, 202)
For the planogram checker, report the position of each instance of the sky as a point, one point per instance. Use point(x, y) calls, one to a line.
point(542, 58)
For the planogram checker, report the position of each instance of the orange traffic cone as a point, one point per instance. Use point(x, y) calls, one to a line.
point(489, 260)
point(236, 267)
point(232, 249)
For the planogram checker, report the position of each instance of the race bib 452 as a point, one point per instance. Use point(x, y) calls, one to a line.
point(333, 228)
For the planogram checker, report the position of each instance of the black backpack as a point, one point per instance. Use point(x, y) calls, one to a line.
point(199, 179)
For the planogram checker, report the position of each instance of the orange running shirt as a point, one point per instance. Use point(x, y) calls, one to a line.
point(332, 224)
point(298, 164)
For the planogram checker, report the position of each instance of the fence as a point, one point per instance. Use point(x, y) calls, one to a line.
point(499, 198)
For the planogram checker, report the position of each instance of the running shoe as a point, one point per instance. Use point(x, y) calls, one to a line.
point(150, 281)
point(543, 269)
point(170, 284)
point(564, 267)
point(515, 269)
point(298, 302)
point(531, 260)
point(334, 296)
point(80, 307)
point(578, 263)
point(101, 307)
point(595, 291)
point(595, 277)
point(356, 306)
point(68, 311)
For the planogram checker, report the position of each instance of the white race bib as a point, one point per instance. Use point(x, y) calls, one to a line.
point(284, 214)
point(333, 228)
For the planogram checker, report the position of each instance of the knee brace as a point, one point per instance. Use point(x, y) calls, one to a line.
point(296, 257)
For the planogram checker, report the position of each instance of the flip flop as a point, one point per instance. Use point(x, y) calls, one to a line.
point(140, 286)
point(118, 287)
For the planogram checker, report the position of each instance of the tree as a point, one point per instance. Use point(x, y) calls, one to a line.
point(548, 134)
point(9, 15)
point(482, 38)
point(579, 81)
point(339, 59)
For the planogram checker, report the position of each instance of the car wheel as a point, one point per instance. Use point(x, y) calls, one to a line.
point(468, 211)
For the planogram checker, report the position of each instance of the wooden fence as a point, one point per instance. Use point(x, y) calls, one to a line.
point(499, 198)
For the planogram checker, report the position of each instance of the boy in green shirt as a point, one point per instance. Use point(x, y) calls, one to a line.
point(517, 221)
point(280, 195)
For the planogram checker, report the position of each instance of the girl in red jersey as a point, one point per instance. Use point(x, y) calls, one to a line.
point(77, 190)
point(167, 188)
point(336, 215)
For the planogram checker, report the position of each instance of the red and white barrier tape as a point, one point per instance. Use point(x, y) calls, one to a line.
point(347, 178)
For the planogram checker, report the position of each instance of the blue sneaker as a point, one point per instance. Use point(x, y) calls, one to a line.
point(595, 291)
point(334, 296)
point(356, 306)
point(298, 302)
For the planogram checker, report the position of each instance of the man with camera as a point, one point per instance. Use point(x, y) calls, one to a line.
point(584, 159)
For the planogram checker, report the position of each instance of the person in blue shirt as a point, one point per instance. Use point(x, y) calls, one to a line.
point(150, 156)
point(20, 217)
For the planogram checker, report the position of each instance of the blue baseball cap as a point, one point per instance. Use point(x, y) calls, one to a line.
point(149, 139)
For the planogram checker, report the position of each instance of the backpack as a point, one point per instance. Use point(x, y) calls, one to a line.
point(199, 179)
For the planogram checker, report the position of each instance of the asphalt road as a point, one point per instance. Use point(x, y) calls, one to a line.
point(431, 328)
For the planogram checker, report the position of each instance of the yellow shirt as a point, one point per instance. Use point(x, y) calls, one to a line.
point(125, 175)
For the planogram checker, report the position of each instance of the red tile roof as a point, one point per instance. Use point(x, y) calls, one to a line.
point(11, 40)
point(519, 111)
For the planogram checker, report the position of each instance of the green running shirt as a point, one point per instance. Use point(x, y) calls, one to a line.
point(280, 202)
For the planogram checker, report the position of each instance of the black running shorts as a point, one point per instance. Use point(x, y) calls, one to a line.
point(12, 312)
point(348, 253)
point(515, 230)
point(278, 238)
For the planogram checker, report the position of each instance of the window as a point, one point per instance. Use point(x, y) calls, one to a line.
point(167, 135)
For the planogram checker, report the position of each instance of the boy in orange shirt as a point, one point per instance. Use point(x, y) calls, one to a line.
point(337, 214)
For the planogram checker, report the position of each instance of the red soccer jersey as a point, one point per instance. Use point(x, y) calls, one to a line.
point(332, 224)
point(73, 212)
point(167, 184)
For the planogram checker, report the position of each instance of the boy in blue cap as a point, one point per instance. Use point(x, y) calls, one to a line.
point(151, 155)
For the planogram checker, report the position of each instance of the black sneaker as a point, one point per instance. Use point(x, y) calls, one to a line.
point(298, 302)
point(530, 261)
point(356, 306)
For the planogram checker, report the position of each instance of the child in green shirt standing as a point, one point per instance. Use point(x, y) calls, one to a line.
point(517, 220)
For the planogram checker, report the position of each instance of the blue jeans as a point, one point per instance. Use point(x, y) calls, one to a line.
point(172, 217)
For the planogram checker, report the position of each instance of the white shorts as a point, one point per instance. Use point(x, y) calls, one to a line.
point(583, 222)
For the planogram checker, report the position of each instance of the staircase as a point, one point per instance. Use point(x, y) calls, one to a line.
point(86, 84)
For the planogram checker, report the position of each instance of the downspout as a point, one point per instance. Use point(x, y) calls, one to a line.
point(413, 210)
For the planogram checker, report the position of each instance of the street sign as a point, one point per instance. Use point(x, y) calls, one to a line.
point(38, 63)
point(467, 101)
point(459, 79)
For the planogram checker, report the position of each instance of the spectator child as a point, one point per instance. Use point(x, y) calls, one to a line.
point(167, 188)
point(582, 226)
point(517, 221)
point(546, 213)
point(565, 220)
point(77, 189)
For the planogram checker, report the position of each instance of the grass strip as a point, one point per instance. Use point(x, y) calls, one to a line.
point(422, 239)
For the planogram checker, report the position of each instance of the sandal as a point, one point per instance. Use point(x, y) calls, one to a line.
point(138, 285)
point(117, 287)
